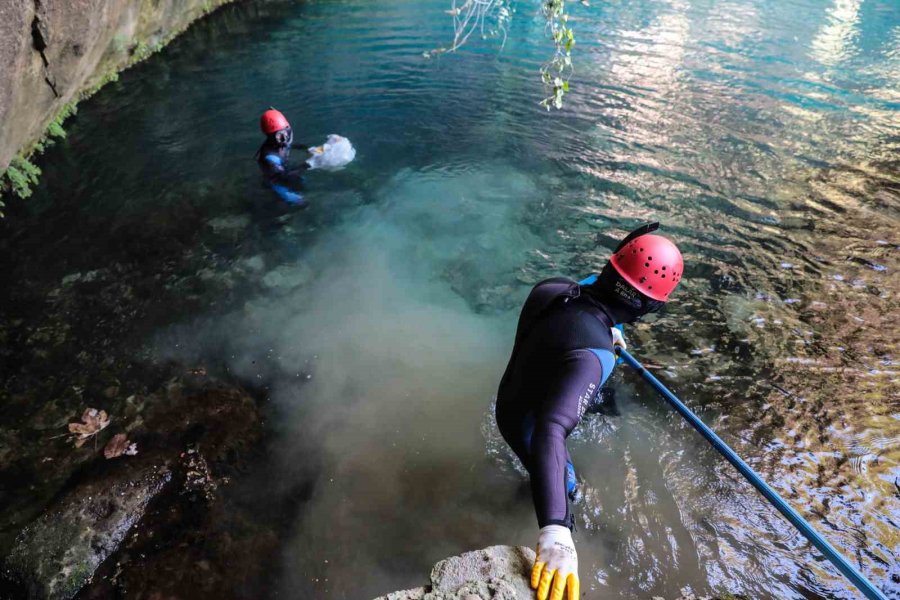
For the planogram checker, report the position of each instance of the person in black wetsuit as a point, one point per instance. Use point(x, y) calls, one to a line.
point(563, 354)
point(273, 156)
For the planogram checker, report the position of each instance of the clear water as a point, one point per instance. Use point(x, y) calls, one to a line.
point(763, 134)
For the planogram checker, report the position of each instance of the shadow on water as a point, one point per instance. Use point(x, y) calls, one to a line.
point(375, 324)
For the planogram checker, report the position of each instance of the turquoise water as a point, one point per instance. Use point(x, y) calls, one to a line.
point(764, 135)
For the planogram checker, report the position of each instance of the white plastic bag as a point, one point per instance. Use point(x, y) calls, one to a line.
point(335, 153)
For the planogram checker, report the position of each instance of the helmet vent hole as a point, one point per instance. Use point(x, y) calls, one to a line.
point(656, 271)
point(646, 264)
point(649, 258)
point(664, 268)
point(649, 287)
point(663, 275)
point(642, 249)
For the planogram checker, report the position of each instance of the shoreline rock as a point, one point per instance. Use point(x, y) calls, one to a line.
point(494, 573)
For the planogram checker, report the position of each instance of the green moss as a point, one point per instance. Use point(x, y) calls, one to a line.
point(21, 175)
point(140, 51)
point(108, 78)
point(119, 43)
point(77, 577)
point(55, 128)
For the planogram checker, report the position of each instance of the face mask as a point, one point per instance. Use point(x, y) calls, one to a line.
point(285, 137)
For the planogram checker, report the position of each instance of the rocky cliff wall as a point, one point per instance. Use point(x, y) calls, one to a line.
point(54, 52)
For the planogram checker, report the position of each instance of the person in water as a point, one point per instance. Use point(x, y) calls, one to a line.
point(563, 354)
point(273, 156)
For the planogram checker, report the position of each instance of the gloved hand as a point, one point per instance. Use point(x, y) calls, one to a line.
point(618, 338)
point(556, 566)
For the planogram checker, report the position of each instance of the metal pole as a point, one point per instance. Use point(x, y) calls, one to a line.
point(849, 571)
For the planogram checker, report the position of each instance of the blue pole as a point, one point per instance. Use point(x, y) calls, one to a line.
point(864, 585)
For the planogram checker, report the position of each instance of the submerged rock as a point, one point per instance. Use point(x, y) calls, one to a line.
point(287, 277)
point(494, 573)
point(194, 434)
point(56, 555)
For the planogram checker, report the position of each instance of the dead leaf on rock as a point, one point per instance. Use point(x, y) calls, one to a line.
point(118, 446)
point(93, 421)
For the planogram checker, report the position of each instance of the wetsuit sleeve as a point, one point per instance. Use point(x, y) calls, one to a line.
point(575, 382)
point(274, 164)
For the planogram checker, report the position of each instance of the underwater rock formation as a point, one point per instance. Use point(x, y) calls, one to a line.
point(55, 556)
point(191, 437)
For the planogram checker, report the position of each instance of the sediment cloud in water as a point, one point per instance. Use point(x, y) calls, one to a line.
point(402, 371)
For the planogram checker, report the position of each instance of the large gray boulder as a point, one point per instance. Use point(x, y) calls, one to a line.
point(495, 573)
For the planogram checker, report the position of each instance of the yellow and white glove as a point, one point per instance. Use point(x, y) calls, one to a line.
point(618, 338)
point(555, 572)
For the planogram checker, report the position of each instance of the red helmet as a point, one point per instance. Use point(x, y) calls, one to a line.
point(272, 121)
point(650, 263)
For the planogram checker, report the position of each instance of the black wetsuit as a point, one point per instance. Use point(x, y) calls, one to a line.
point(563, 354)
point(278, 174)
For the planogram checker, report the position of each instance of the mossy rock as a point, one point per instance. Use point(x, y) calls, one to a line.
point(55, 556)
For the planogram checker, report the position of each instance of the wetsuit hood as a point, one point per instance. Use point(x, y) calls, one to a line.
point(616, 311)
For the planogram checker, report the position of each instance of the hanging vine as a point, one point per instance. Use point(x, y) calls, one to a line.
point(490, 18)
point(557, 71)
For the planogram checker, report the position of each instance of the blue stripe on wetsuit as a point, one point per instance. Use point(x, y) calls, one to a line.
point(607, 361)
point(286, 194)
